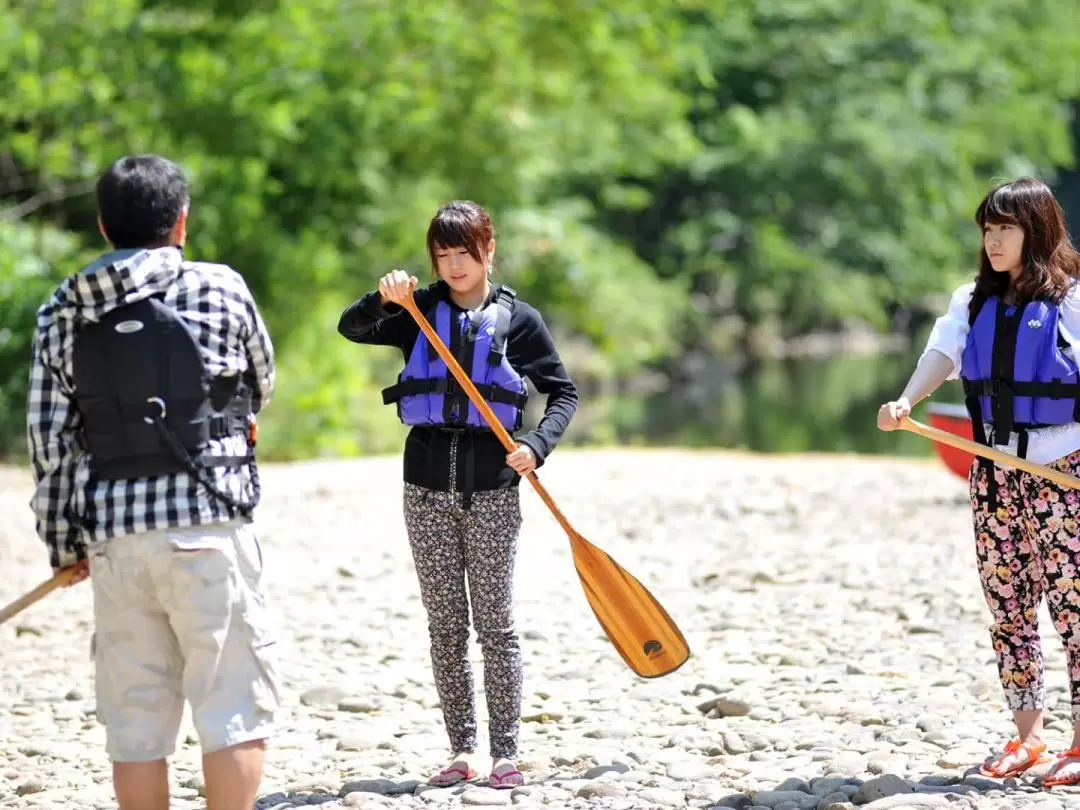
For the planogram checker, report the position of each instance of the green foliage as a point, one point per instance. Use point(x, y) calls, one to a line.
point(29, 258)
point(327, 400)
point(667, 178)
point(846, 146)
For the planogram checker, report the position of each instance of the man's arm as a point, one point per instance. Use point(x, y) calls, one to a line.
point(260, 350)
point(52, 425)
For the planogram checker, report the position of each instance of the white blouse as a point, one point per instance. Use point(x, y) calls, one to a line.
point(949, 337)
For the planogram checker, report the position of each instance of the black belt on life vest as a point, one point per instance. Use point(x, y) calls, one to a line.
point(1002, 426)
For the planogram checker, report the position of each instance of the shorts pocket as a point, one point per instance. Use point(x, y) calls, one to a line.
point(202, 537)
point(249, 555)
point(263, 641)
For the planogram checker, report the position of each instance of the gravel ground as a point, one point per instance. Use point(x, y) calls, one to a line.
point(840, 648)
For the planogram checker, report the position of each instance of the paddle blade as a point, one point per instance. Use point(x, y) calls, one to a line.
point(638, 626)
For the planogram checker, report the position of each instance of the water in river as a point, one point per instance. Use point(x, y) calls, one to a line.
point(788, 406)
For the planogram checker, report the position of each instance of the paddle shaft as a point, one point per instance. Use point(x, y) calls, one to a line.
point(481, 405)
point(44, 589)
point(1003, 458)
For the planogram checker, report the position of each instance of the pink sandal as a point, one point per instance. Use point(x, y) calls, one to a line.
point(506, 776)
point(454, 774)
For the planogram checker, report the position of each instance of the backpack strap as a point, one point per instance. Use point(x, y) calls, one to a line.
point(505, 300)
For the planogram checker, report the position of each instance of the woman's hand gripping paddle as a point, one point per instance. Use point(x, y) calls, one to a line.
point(1005, 459)
point(57, 580)
point(638, 626)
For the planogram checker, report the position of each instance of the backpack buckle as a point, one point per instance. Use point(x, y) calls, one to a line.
point(161, 405)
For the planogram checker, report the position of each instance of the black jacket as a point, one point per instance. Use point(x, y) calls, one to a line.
point(480, 457)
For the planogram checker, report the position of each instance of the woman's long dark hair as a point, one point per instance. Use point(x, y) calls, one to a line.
point(1049, 262)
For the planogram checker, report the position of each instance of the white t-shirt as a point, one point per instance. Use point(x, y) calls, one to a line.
point(949, 336)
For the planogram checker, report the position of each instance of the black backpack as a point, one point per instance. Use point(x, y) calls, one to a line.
point(149, 404)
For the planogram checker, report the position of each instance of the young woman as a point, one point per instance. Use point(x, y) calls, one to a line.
point(1013, 337)
point(461, 505)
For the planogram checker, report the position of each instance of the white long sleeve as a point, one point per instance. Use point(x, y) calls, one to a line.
point(950, 331)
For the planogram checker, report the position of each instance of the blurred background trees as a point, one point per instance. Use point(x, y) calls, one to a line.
point(726, 211)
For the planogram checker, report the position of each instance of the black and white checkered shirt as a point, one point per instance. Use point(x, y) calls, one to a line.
point(216, 302)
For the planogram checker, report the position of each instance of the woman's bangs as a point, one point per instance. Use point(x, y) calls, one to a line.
point(451, 232)
point(999, 208)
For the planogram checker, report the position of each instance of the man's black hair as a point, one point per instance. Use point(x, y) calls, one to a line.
point(140, 198)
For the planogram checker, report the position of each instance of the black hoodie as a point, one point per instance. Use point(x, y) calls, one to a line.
point(429, 450)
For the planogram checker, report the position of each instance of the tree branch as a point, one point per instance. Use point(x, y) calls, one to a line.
point(54, 194)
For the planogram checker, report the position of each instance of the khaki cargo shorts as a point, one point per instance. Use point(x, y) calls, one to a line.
point(180, 614)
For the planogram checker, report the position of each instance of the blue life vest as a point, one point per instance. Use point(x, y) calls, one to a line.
point(1017, 374)
point(426, 392)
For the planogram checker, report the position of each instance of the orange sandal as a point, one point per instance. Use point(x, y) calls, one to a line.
point(1034, 756)
point(1072, 779)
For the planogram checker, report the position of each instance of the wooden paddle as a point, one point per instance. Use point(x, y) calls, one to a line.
point(638, 626)
point(1003, 458)
point(57, 580)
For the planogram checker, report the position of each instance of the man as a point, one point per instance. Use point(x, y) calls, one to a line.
point(147, 371)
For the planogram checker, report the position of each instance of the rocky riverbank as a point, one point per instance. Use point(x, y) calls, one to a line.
point(841, 657)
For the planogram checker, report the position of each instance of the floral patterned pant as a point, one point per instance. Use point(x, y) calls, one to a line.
point(450, 544)
point(1029, 548)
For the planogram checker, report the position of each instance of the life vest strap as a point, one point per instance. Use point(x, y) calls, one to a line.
point(1052, 389)
point(415, 386)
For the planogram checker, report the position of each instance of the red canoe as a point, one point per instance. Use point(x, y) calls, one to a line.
point(955, 419)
